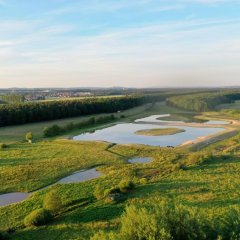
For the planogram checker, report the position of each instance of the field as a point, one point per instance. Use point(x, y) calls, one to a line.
point(206, 180)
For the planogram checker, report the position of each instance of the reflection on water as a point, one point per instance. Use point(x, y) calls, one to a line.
point(81, 176)
point(10, 198)
point(125, 134)
point(140, 160)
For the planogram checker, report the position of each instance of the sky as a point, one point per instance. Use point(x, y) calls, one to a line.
point(129, 43)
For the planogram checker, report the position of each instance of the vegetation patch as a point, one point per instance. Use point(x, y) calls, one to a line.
point(159, 131)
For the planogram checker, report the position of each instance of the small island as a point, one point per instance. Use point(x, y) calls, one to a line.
point(159, 131)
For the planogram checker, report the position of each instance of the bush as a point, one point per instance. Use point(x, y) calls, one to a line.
point(164, 220)
point(139, 223)
point(37, 218)
point(231, 225)
point(126, 185)
point(52, 202)
point(143, 181)
point(29, 137)
point(112, 191)
point(3, 145)
point(52, 131)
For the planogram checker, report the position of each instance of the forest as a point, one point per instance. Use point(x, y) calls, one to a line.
point(204, 101)
point(13, 114)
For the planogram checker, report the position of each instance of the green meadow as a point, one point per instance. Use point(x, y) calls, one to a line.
point(205, 181)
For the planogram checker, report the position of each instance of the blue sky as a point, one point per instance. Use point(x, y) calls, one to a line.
point(137, 43)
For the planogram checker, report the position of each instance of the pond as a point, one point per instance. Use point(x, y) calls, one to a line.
point(10, 198)
point(125, 134)
point(140, 160)
point(80, 176)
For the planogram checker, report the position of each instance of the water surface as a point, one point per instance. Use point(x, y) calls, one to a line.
point(81, 176)
point(140, 160)
point(125, 134)
point(10, 198)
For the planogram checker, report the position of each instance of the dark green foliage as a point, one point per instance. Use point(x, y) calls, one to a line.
point(52, 202)
point(21, 113)
point(37, 218)
point(56, 130)
point(230, 225)
point(204, 101)
point(112, 190)
point(12, 114)
point(126, 185)
point(3, 145)
point(52, 131)
point(168, 221)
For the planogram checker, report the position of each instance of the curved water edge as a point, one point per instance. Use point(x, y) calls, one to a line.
point(14, 197)
point(140, 160)
point(76, 177)
point(160, 119)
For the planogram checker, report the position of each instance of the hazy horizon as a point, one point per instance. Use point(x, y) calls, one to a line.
point(142, 43)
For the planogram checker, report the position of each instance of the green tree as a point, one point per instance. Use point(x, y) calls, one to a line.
point(29, 137)
point(52, 202)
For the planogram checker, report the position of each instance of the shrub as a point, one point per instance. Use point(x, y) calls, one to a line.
point(29, 137)
point(164, 220)
point(3, 145)
point(143, 181)
point(182, 166)
point(112, 191)
point(126, 185)
point(37, 218)
point(139, 223)
point(52, 202)
point(231, 225)
point(52, 131)
point(114, 194)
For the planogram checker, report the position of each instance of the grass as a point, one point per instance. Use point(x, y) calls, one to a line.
point(207, 179)
point(159, 131)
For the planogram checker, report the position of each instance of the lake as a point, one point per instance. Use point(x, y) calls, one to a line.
point(125, 134)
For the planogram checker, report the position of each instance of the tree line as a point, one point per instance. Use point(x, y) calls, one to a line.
point(22, 113)
point(204, 101)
